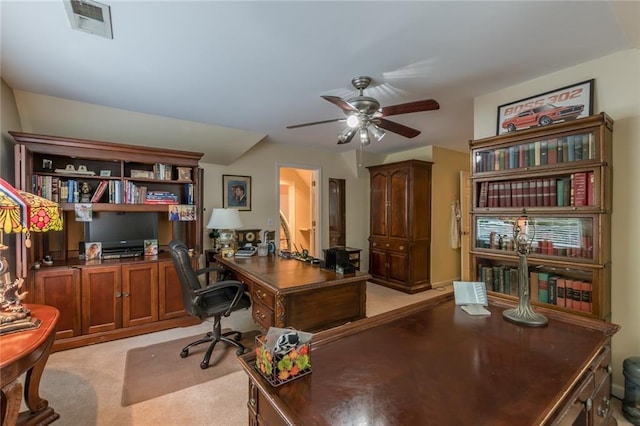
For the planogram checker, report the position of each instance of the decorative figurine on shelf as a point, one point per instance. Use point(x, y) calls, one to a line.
point(85, 192)
point(12, 298)
point(523, 313)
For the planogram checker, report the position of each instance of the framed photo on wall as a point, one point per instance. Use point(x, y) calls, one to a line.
point(556, 106)
point(236, 192)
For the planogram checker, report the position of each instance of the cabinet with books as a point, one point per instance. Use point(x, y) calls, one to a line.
point(111, 177)
point(121, 196)
point(559, 177)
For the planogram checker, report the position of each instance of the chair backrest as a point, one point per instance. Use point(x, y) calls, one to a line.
point(186, 275)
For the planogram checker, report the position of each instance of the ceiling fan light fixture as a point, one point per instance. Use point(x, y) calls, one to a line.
point(364, 136)
point(377, 132)
point(353, 121)
point(346, 135)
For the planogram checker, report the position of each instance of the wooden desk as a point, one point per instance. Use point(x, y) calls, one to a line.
point(27, 352)
point(431, 363)
point(288, 292)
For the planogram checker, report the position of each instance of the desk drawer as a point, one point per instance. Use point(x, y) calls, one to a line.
point(401, 246)
point(259, 294)
point(262, 315)
point(602, 366)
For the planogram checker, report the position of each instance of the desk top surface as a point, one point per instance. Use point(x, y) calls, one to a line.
point(433, 361)
point(21, 345)
point(288, 274)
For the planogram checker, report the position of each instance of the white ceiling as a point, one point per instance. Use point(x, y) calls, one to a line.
point(240, 71)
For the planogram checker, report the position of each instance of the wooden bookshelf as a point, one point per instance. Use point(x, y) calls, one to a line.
point(559, 176)
point(107, 299)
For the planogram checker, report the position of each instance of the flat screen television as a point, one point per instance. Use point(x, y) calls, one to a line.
point(121, 232)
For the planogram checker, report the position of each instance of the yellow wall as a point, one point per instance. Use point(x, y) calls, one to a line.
point(617, 92)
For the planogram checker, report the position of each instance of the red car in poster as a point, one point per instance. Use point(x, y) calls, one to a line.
point(542, 116)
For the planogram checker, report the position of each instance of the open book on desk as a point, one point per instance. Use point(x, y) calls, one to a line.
point(471, 296)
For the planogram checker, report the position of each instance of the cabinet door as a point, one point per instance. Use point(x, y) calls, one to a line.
point(378, 204)
point(398, 267)
point(60, 288)
point(170, 303)
point(398, 199)
point(139, 294)
point(101, 299)
point(378, 263)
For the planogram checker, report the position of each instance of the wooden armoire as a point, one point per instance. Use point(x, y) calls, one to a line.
point(400, 230)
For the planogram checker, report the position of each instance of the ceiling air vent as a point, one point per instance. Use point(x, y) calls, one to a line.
point(89, 16)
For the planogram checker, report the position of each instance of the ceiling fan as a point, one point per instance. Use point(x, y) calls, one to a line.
point(364, 114)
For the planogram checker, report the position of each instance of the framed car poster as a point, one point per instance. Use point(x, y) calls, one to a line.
point(556, 106)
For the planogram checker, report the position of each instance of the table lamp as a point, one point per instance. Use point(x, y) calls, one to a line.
point(225, 221)
point(523, 314)
point(20, 212)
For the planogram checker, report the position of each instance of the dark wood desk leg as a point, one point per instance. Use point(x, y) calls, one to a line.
point(39, 411)
point(11, 399)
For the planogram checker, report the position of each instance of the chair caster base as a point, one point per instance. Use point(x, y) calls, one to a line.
point(184, 354)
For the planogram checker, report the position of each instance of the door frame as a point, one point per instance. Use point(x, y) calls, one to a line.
point(316, 175)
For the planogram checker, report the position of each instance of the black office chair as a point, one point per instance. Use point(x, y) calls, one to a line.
point(211, 300)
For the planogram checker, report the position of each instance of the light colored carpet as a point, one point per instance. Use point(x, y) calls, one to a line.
point(155, 370)
point(84, 385)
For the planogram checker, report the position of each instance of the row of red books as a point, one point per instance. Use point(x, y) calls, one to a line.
point(574, 190)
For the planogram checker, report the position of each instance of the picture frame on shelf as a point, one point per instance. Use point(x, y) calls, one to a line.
point(236, 192)
point(184, 174)
point(559, 105)
point(94, 250)
point(142, 174)
point(105, 172)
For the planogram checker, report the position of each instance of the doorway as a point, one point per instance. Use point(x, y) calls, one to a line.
point(299, 207)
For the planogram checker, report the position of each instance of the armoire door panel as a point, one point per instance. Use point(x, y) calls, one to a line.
point(379, 204)
point(398, 207)
point(378, 263)
point(398, 267)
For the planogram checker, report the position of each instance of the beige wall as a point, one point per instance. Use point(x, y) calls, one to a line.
point(617, 92)
point(261, 164)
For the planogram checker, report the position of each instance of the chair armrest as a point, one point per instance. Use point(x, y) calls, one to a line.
point(209, 269)
point(221, 285)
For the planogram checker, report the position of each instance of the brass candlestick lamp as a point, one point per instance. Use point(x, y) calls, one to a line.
point(524, 314)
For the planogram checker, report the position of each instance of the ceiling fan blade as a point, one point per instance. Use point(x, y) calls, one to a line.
point(417, 106)
point(398, 128)
point(295, 126)
point(340, 103)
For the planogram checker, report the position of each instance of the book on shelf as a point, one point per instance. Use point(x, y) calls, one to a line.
point(586, 297)
point(553, 288)
point(591, 184)
point(576, 295)
point(579, 189)
point(533, 286)
point(97, 195)
point(543, 287)
point(483, 196)
point(561, 287)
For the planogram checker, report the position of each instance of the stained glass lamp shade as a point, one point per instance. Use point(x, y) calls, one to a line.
point(23, 212)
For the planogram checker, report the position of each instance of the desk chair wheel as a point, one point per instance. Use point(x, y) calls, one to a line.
point(184, 353)
point(240, 351)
